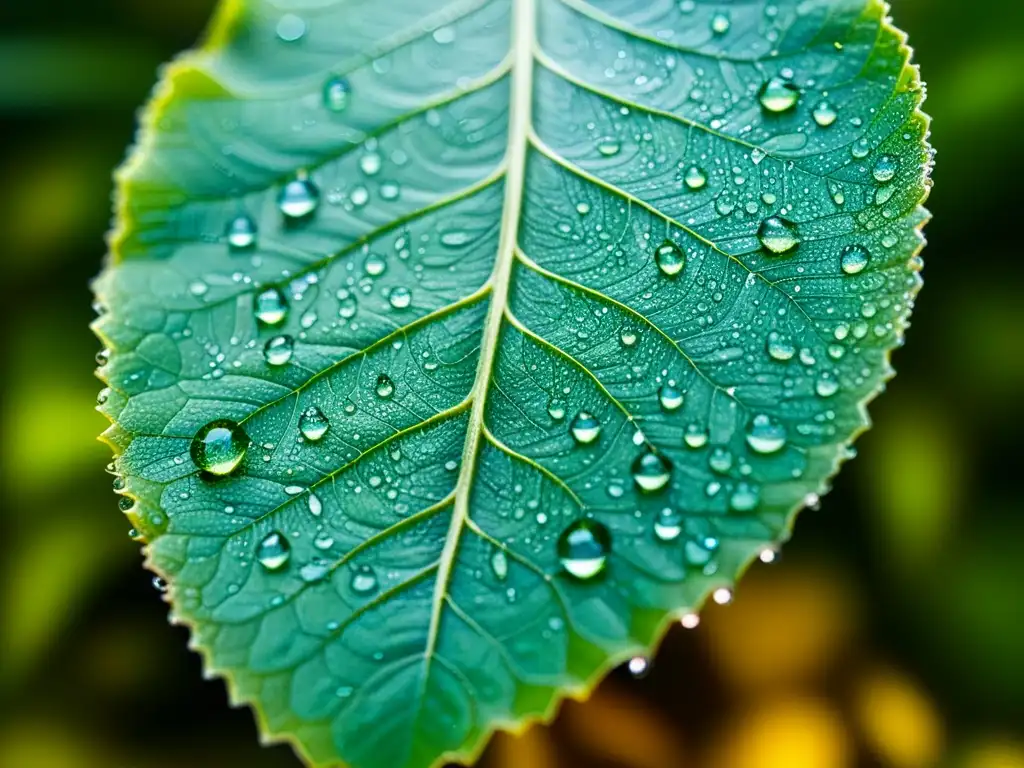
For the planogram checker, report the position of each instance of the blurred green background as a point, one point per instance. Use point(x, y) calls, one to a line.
point(890, 634)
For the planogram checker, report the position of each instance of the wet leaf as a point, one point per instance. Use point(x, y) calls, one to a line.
point(455, 348)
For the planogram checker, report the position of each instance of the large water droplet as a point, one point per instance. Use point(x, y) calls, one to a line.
point(651, 471)
point(695, 436)
point(274, 551)
point(765, 434)
point(375, 265)
point(499, 564)
point(778, 235)
point(779, 348)
point(298, 198)
point(313, 424)
point(671, 399)
point(583, 548)
point(695, 178)
point(385, 386)
point(364, 580)
point(400, 298)
point(670, 258)
point(336, 94)
point(885, 168)
point(853, 259)
point(278, 351)
point(778, 95)
point(291, 28)
point(271, 307)
point(585, 428)
point(825, 114)
point(241, 233)
point(668, 524)
point(219, 447)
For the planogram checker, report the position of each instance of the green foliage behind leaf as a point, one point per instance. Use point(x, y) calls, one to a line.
point(456, 347)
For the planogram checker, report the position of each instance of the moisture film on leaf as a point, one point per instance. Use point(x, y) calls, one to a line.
point(455, 347)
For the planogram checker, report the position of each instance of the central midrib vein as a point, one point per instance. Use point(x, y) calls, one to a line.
point(523, 41)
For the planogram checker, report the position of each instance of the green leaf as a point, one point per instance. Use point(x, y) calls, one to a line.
point(538, 320)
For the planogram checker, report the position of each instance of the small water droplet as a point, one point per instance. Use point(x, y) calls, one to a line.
point(291, 28)
point(768, 555)
point(313, 424)
point(670, 258)
point(370, 163)
point(779, 348)
point(400, 298)
point(628, 337)
point(639, 666)
point(651, 471)
point(219, 447)
point(585, 428)
point(336, 94)
point(582, 208)
point(271, 307)
point(690, 620)
point(765, 434)
point(720, 23)
point(159, 585)
point(722, 596)
point(695, 178)
point(671, 399)
point(720, 459)
point(499, 564)
point(347, 305)
point(744, 498)
point(854, 259)
point(278, 350)
point(826, 387)
point(885, 168)
point(241, 233)
point(698, 552)
point(668, 524)
point(778, 235)
point(608, 147)
point(385, 386)
point(825, 114)
point(316, 507)
point(695, 436)
point(375, 265)
point(274, 551)
point(778, 95)
point(583, 548)
point(298, 198)
point(556, 410)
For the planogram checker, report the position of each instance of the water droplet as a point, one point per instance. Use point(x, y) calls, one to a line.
point(375, 265)
point(628, 337)
point(765, 434)
point(670, 258)
point(298, 198)
point(720, 459)
point(853, 259)
point(499, 564)
point(651, 471)
point(668, 524)
point(385, 386)
point(347, 305)
point(316, 507)
point(400, 298)
point(608, 147)
point(336, 94)
point(778, 95)
point(826, 387)
point(390, 190)
point(825, 114)
point(364, 580)
point(690, 620)
point(278, 351)
point(778, 235)
point(585, 428)
point(639, 666)
point(198, 288)
point(768, 555)
point(444, 35)
point(291, 28)
point(695, 436)
point(313, 424)
point(698, 552)
point(720, 23)
point(671, 399)
point(583, 548)
point(271, 307)
point(219, 447)
point(779, 348)
point(370, 163)
point(582, 208)
point(159, 585)
point(556, 410)
point(722, 596)
point(744, 498)
point(241, 233)
point(103, 357)
point(274, 551)
point(695, 178)
point(885, 168)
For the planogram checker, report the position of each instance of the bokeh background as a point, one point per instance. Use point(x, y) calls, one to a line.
point(890, 634)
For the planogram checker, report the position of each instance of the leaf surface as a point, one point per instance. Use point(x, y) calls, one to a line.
point(538, 321)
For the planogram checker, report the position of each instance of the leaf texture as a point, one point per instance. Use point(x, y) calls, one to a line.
point(466, 273)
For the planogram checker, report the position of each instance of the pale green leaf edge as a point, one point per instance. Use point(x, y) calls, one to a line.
point(176, 74)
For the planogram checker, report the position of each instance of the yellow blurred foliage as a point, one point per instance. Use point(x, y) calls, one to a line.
point(899, 723)
point(994, 754)
point(616, 726)
point(45, 745)
point(785, 627)
point(796, 732)
point(532, 748)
